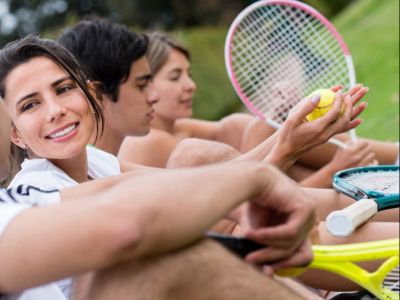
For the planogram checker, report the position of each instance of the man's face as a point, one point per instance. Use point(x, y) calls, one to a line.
point(132, 113)
point(5, 127)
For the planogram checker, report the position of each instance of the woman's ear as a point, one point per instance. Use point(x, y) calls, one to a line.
point(16, 138)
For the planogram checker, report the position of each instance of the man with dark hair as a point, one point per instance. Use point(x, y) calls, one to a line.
point(114, 60)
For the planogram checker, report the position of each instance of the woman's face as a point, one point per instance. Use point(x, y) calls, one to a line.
point(51, 114)
point(175, 88)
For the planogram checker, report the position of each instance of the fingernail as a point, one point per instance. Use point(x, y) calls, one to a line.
point(315, 99)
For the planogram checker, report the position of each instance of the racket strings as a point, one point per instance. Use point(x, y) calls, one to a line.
point(392, 280)
point(385, 182)
point(280, 54)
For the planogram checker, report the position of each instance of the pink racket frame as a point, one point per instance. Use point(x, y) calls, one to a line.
point(302, 6)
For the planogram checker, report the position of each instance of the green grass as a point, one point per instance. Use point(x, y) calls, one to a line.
point(215, 96)
point(371, 30)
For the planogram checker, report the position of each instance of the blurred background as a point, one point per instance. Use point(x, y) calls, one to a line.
point(369, 27)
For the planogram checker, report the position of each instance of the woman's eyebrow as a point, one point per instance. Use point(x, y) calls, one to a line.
point(26, 97)
point(55, 83)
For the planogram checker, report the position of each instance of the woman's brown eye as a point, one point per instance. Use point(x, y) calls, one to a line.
point(27, 106)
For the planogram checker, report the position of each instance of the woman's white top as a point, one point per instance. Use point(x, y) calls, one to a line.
point(45, 176)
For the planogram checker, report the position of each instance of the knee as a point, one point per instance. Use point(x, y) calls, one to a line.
point(196, 152)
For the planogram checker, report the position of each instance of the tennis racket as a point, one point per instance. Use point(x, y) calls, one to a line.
point(376, 188)
point(278, 52)
point(341, 259)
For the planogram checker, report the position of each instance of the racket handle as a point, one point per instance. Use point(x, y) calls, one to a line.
point(343, 222)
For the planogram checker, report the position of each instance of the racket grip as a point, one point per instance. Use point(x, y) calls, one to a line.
point(343, 222)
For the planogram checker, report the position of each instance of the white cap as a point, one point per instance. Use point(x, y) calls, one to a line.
point(339, 223)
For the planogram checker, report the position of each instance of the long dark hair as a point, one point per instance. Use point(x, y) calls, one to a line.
point(21, 51)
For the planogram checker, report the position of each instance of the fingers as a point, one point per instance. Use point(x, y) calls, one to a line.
point(358, 154)
point(354, 123)
point(279, 258)
point(368, 160)
point(358, 110)
point(336, 88)
point(302, 257)
point(336, 120)
point(288, 234)
point(366, 155)
point(335, 111)
point(357, 94)
point(343, 116)
point(355, 89)
point(305, 107)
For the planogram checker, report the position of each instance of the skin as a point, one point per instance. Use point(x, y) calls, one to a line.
point(5, 142)
point(43, 101)
point(133, 111)
point(177, 88)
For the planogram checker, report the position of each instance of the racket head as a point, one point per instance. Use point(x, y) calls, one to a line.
point(279, 51)
point(378, 182)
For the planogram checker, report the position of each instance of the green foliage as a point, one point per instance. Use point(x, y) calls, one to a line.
point(371, 30)
point(215, 96)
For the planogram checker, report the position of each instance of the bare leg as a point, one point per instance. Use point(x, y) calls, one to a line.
point(203, 271)
point(196, 152)
point(233, 128)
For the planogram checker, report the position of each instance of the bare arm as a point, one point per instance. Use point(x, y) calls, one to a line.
point(296, 136)
point(124, 222)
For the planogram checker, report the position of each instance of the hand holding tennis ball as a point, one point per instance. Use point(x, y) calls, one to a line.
point(327, 97)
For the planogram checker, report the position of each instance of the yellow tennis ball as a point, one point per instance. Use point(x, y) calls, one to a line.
point(325, 104)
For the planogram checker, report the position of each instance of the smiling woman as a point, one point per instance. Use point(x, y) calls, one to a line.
point(51, 105)
point(54, 116)
point(51, 116)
